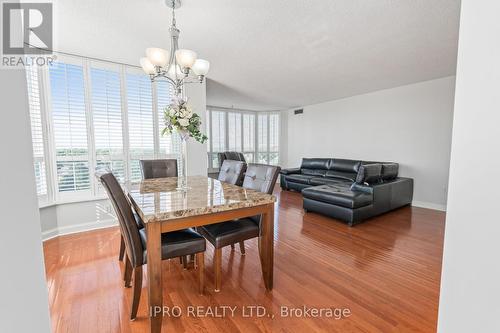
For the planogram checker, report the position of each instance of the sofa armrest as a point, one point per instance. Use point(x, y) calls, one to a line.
point(290, 171)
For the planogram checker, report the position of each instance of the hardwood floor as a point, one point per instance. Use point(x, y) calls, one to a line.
point(386, 272)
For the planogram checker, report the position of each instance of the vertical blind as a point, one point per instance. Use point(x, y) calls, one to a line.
point(95, 116)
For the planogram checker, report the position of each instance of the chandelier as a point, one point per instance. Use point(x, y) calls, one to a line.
point(179, 66)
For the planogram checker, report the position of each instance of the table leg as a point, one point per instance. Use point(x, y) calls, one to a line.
point(155, 290)
point(266, 246)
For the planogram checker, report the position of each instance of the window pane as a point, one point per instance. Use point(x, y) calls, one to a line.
point(36, 129)
point(248, 132)
point(140, 122)
point(234, 131)
point(218, 131)
point(274, 132)
point(107, 120)
point(70, 127)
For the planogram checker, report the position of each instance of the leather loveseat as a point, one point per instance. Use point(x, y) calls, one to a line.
point(348, 190)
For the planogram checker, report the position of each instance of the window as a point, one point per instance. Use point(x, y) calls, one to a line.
point(37, 136)
point(91, 115)
point(255, 134)
point(69, 122)
point(107, 121)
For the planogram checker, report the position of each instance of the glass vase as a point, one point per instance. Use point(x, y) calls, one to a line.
point(182, 177)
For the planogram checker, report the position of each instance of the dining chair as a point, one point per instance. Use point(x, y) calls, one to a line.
point(158, 168)
point(258, 177)
point(232, 172)
point(173, 244)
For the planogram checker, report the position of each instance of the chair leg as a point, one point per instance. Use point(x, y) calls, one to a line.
point(242, 248)
point(180, 260)
point(200, 259)
point(218, 268)
point(122, 248)
point(184, 262)
point(136, 292)
point(127, 274)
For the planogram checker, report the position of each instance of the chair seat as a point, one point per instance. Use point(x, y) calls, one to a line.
point(231, 232)
point(177, 243)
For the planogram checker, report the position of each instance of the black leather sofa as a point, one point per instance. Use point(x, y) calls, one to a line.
point(348, 190)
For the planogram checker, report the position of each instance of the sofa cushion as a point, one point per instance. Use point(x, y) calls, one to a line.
point(369, 173)
point(350, 176)
point(313, 172)
point(389, 171)
point(316, 163)
point(343, 165)
point(340, 195)
point(296, 178)
point(326, 181)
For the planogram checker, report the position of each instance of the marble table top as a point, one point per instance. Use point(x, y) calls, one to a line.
point(158, 199)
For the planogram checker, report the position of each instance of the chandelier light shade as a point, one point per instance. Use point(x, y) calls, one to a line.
point(157, 56)
point(177, 66)
point(201, 67)
point(185, 58)
point(147, 66)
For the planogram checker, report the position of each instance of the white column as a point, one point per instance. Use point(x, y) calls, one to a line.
point(470, 284)
point(24, 300)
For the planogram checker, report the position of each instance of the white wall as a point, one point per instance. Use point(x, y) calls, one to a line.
point(23, 302)
point(410, 125)
point(470, 284)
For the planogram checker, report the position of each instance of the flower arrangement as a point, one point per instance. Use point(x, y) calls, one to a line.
point(179, 116)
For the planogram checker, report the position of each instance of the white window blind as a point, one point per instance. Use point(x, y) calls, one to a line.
point(234, 131)
point(107, 121)
point(69, 127)
point(140, 122)
point(33, 82)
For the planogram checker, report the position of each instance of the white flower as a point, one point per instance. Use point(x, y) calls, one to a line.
point(189, 113)
point(172, 112)
point(183, 122)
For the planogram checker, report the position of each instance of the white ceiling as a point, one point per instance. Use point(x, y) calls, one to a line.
point(281, 53)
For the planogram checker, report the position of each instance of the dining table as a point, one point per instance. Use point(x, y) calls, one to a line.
point(164, 207)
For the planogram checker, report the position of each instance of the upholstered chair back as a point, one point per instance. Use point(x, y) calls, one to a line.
point(126, 220)
point(230, 155)
point(232, 172)
point(261, 177)
point(158, 168)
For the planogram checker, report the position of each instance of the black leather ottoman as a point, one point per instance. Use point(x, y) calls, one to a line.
point(339, 201)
